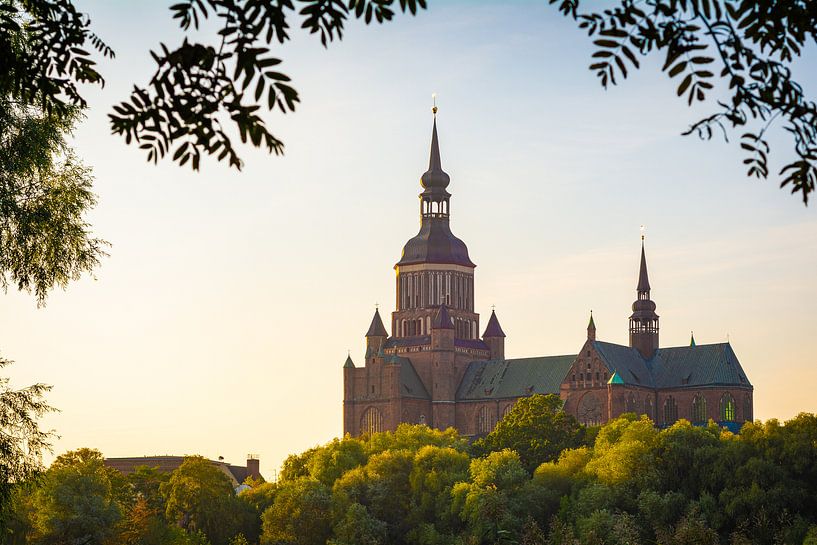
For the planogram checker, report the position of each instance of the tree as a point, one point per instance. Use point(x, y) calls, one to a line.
point(537, 428)
point(200, 498)
point(753, 42)
point(299, 514)
point(45, 193)
point(21, 439)
point(77, 500)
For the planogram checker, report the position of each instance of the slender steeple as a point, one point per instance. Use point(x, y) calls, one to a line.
point(644, 320)
point(591, 328)
point(691, 338)
point(643, 279)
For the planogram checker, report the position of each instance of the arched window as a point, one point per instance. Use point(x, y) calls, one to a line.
point(699, 409)
point(670, 411)
point(485, 420)
point(507, 409)
point(747, 408)
point(648, 409)
point(371, 421)
point(727, 408)
point(630, 404)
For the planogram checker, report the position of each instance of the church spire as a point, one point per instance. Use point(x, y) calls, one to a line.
point(591, 328)
point(644, 320)
point(643, 279)
point(435, 179)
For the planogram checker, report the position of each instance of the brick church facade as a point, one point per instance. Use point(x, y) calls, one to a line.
point(435, 369)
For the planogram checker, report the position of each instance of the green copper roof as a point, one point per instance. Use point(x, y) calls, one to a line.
point(592, 324)
point(691, 339)
point(349, 362)
point(498, 379)
point(675, 367)
point(615, 379)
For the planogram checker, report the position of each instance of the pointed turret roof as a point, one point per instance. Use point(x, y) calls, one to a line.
point(493, 329)
point(591, 324)
point(643, 280)
point(691, 338)
point(435, 177)
point(376, 329)
point(349, 363)
point(442, 320)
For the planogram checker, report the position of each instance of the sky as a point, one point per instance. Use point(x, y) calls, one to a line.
point(221, 319)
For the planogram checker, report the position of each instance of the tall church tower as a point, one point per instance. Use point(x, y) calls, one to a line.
point(435, 268)
point(644, 320)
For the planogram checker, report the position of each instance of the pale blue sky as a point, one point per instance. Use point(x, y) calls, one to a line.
point(220, 322)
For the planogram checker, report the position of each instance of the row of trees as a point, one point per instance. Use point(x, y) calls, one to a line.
point(539, 478)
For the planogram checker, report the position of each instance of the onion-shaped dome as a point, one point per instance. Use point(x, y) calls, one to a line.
point(435, 177)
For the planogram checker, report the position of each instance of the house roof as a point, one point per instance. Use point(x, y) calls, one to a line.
point(497, 379)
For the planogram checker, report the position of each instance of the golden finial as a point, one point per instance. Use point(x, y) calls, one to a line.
point(643, 228)
point(434, 103)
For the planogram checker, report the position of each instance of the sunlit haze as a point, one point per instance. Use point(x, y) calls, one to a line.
point(221, 320)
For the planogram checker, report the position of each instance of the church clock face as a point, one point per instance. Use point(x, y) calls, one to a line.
point(589, 410)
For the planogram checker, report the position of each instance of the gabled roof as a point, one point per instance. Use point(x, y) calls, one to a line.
point(674, 367)
point(498, 379)
point(376, 328)
point(700, 365)
point(410, 383)
point(493, 329)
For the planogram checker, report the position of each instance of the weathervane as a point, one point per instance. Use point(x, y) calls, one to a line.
point(434, 104)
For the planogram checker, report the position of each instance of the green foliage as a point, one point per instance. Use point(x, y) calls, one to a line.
point(358, 527)
point(634, 485)
point(199, 497)
point(76, 502)
point(536, 428)
point(45, 192)
point(753, 43)
point(21, 440)
point(199, 84)
point(299, 514)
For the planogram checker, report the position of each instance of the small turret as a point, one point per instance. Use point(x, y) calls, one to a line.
point(494, 337)
point(691, 338)
point(591, 328)
point(349, 364)
point(376, 335)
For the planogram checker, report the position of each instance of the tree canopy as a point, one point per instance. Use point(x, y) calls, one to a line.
point(634, 484)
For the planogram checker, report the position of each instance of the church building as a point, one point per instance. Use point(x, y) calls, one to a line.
point(435, 369)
